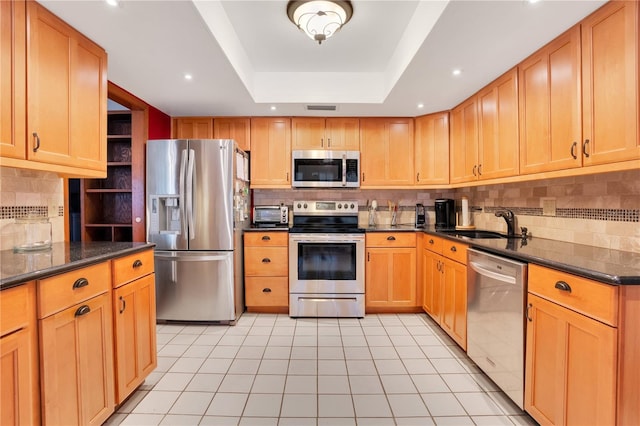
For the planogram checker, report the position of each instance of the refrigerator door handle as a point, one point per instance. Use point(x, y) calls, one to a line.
point(183, 166)
point(190, 176)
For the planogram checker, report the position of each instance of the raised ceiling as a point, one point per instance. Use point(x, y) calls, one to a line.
point(246, 56)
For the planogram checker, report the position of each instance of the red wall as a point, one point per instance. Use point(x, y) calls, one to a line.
point(159, 124)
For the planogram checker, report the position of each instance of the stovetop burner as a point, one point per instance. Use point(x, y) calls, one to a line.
point(325, 217)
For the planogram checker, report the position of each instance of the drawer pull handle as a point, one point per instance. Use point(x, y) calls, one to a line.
point(431, 241)
point(82, 310)
point(574, 145)
point(561, 285)
point(266, 260)
point(137, 263)
point(80, 282)
point(529, 306)
point(124, 304)
point(584, 148)
point(37, 145)
point(454, 249)
point(266, 290)
point(266, 238)
point(391, 238)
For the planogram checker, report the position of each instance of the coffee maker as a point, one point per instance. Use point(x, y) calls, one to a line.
point(445, 213)
point(421, 216)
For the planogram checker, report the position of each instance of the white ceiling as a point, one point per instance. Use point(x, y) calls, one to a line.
point(245, 55)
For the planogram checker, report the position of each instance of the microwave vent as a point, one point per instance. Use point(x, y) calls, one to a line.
point(321, 107)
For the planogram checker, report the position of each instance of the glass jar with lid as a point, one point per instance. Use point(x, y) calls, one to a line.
point(33, 233)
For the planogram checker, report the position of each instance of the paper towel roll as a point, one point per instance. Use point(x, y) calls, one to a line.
point(465, 212)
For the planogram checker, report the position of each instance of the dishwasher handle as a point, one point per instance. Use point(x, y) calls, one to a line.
point(491, 274)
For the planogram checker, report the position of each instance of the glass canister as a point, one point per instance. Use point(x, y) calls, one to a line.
point(33, 233)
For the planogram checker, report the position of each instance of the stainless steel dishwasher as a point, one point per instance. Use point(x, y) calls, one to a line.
point(496, 297)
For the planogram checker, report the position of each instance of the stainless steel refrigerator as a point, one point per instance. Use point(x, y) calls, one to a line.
point(197, 207)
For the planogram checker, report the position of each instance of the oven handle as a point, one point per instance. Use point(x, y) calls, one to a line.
point(321, 299)
point(344, 169)
point(324, 240)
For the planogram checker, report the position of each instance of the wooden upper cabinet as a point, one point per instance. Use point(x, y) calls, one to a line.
point(610, 50)
point(13, 79)
point(237, 128)
point(550, 106)
point(67, 87)
point(325, 133)
point(386, 152)
point(193, 128)
point(270, 152)
point(463, 146)
point(431, 147)
point(498, 128)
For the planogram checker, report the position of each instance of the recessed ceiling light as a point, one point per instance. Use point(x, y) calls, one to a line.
point(188, 77)
point(456, 71)
point(533, 1)
point(112, 2)
point(272, 107)
point(420, 105)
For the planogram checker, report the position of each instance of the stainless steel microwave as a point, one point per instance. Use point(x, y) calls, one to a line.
point(325, 169)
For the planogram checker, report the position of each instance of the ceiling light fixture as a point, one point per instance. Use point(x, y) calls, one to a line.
point(456, 71)
point(420, 105)
point(112, 2)
point(188, 77)
point(319, 19)
point(272, 108)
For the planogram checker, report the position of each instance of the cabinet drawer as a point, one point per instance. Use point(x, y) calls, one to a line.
point(134, 266)
point(266, 239)
point(266, 291)
point(266, 261)
point(455, 251)
point(590, 298)
point(64, 290)
point(432, 243)
point(14, 308)
point(391, 239)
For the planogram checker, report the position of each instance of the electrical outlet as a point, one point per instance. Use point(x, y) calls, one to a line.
point(548, 206)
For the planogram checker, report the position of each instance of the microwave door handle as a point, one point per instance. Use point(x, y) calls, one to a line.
point(181, 198)
point(344, 169)
point(190, 177)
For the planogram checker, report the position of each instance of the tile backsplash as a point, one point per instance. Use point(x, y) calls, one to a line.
point(29, 191)
point(601, 210)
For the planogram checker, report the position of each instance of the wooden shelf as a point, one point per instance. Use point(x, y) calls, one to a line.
point(118, 163)
point(108, 190)
point(118, 136)
point(108, 225)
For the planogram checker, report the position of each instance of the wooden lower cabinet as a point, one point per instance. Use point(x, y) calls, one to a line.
point(266, 269)
point(444, 274)
point(76, 348)
point(135, 334)
point(19, 404)
point(571, 366)
point(390, 272)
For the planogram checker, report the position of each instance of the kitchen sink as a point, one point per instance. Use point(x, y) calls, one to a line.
point(477, 234)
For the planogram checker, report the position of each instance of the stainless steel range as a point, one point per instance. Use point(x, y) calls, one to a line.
point(326, 260)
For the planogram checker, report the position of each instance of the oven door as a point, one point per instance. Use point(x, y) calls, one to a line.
point(326, 263)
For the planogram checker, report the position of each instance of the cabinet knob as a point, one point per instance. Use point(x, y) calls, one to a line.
point(266, 290)
point(80, 282)
point(82, 310)
point(563, 286)
point(266, 238)
point(266, 260)
point(391, 238)
point(137, 263)
point(454, 249)
point(431, 241)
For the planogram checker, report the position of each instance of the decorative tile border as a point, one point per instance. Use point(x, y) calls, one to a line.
point(610, 215)
point(12, 212)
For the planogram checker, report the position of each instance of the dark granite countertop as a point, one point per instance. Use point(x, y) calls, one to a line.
point(398, 228)
point(601, 264)
point(18, 268)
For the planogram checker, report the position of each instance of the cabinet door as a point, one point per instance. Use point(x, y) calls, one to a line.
point(550, 106)
point(270, 152)
point(390, 277)
point(431, 147)
point(77, 364)
point(386, 147)
point(13, 79)
point(135, 334)
point(498, 128)
point(463, 146)
point(343, 133)
point(454, 309)
point(308, 133)
point(16, 387)
point(432, 276)
point(193, 128)
point(67, 86)
point(236, 128)
point(610, 83)
point(570, 375)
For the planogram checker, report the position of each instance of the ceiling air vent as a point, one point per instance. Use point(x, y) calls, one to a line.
point(321, 107)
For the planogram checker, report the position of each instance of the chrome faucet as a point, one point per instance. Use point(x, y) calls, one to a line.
point(509, 217)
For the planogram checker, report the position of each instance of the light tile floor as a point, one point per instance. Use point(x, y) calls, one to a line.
point(275, 370)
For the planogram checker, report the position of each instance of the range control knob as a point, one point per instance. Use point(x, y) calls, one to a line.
point(353, 206)
point(305, 205)
point(340, 206)
point(299, 205)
